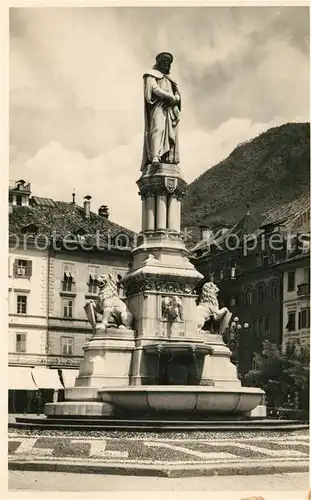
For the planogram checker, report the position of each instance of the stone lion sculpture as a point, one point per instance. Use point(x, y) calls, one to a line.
point(208, 310)
point(109, 305)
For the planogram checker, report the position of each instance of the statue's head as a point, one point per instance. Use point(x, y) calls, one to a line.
point(163, 62)
point(106, 280)
point(102, 281)
point(209, 292)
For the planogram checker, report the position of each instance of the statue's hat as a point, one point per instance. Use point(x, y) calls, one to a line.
point(164, 54)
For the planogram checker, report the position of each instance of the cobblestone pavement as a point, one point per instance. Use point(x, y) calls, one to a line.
point(269, 487)
point(142, 450)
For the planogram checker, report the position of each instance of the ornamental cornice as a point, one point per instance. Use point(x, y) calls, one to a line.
point(162, 185)
point(159, 284)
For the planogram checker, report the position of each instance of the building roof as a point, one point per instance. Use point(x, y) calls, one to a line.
point(301, 256)
point(59, 219)
point(245, 226)
point(285, 215)
point(43, 202)
point(286, 211)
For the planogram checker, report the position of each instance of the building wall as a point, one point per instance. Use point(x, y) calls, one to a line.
point(77, 327)
point(262, 315)
point(44, 323)
point(253, 267)
point(34, 322)
point(294, 302)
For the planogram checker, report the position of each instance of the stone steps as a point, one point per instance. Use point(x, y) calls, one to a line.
point(165, 425)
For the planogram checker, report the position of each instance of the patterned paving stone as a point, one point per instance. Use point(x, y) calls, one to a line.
point(148, 451)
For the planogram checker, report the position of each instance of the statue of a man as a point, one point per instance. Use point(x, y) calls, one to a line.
point(162, 112)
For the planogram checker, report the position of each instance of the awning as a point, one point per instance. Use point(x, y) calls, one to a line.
point(46, 378)
point(20, 379)
point(69, 377)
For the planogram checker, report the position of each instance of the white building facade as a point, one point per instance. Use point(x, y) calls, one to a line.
point(296, 302)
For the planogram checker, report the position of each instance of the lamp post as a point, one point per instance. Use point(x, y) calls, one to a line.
point(235, 331)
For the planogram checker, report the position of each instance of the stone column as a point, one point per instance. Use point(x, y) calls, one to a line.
point(161, 211)
point(174, 214)
point(150, 213)
point(143, 214)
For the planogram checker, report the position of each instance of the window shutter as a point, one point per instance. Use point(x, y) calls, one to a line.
point(29, 268)
point(15, 266)
point(299, 320)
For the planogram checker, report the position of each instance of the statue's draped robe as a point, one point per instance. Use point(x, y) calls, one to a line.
point(161, 119)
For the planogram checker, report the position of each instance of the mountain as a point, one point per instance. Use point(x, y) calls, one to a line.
point(272, 169)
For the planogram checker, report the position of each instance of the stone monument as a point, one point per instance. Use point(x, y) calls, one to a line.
point(149, 354)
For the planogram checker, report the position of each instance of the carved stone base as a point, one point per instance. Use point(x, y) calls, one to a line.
point(218, 366)
point(79, 409)
point(107, 358)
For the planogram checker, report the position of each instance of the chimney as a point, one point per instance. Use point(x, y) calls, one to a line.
point(103, 211)
point(87, 206)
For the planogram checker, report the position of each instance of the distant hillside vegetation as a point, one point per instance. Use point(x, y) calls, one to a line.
point(271, 169)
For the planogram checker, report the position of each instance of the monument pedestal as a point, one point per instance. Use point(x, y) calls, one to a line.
point(167, 364)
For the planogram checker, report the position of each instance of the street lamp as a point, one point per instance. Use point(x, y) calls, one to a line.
point(235, 331)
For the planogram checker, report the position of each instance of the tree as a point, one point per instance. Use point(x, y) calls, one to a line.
point(282, 376)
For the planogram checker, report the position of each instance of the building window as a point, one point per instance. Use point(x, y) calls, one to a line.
point(67, 308)
point(261, 293)
point(93, 279)
point(68, 277)
point(272, 258)
point(304, 319)
point(274, 291)
point(221, 273)
point(248, 297)
point(66, 346)
point(291, 322)
point(22, 268)
point(233, 301)
point(67, 284)
point(266, 327)
point(20, 342)
point(291, 281)
point(68, 270)
point(255, 328)
point(265, 260)
point(122, 241)
point(261, 327)
point(258, 260)
point(21, 304)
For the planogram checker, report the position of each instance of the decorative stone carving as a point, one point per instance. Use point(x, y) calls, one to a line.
point(208, 310)
point(113, 310)
point(171, 308)
point(170, 183)
point(158, 185)
point(160, 284)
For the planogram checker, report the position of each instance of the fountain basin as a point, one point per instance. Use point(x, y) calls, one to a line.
point(150, 399)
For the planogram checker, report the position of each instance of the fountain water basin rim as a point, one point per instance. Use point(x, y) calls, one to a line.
point(181, 399)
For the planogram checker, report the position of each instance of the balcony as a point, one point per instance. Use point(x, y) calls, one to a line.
point(303, 289)
point(21, 186)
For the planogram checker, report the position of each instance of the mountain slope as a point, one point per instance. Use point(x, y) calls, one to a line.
point(271, 169)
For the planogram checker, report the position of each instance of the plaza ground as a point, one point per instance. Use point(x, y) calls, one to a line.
point(287, 486)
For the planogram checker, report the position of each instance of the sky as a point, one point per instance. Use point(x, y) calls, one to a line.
point(76, 91)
